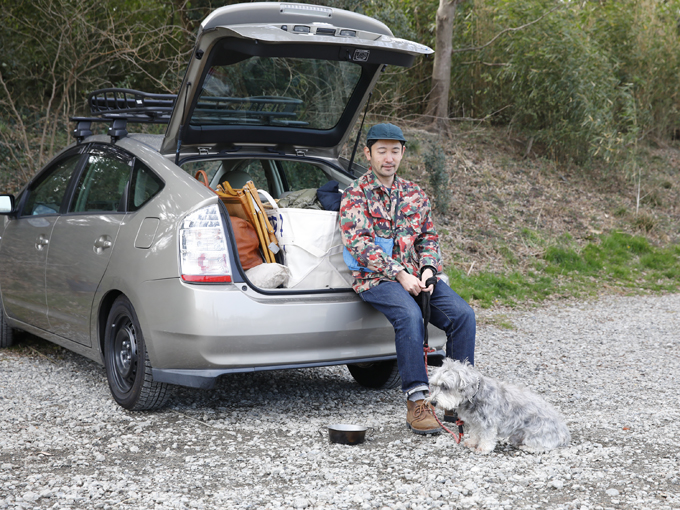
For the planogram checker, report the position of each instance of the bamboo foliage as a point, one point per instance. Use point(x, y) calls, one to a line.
point(568, 80)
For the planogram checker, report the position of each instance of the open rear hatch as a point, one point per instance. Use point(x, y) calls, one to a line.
point(288, 76)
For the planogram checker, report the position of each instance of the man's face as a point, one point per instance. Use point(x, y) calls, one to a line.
point(384, 157)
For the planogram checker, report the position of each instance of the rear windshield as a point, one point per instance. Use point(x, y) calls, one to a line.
point(277, 91)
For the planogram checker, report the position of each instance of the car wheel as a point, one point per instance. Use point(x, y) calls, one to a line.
point(128, 369)
point(6, 332)
point(378, 374)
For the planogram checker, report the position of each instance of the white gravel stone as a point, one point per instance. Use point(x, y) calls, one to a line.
point(301, 503)
point(29, 497)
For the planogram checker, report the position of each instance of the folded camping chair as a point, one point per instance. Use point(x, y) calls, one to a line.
point(245, 203)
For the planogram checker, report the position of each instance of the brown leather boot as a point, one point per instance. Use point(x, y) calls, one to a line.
point(419, 418)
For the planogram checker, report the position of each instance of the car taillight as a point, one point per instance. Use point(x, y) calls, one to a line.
point(203, 248)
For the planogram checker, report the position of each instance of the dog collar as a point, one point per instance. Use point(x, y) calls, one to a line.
point(476, 391)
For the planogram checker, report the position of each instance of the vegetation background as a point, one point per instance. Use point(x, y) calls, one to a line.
point(554, 170)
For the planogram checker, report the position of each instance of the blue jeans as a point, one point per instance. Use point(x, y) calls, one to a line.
point(449, 312)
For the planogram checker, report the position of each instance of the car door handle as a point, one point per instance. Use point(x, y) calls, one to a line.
point(102, 244)
point(41, 242)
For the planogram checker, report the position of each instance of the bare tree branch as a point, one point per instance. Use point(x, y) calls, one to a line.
point(52, 96)
point(8, 143)
point(505, 31)
point(61, 49)
point(20, 122)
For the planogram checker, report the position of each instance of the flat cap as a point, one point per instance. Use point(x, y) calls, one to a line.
point(385, 132)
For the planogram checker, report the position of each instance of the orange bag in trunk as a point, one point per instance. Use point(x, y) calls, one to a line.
point(247, 242)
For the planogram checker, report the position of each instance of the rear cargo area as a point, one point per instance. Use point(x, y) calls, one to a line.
point(284, 216)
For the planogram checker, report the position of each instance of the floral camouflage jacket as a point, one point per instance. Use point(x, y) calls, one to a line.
point(367, 210)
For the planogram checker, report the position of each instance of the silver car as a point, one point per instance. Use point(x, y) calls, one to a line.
point(117, 252)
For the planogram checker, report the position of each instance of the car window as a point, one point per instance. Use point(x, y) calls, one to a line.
point(209, 167)
point(102, 185)
point(236, 172)
point(276, 91)
point(145, 185)
point(302, 175)
point(47, 196)
point(255, 170)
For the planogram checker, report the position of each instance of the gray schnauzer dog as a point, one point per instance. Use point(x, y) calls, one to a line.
point(494, 410)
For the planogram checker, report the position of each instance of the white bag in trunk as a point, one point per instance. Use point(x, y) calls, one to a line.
point(312, 246)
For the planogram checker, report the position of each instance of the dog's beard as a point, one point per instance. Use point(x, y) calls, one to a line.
point(445, 399)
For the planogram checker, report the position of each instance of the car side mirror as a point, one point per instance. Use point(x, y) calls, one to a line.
point(6, 204)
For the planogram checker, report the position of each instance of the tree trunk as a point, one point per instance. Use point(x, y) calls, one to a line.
point(438, 104)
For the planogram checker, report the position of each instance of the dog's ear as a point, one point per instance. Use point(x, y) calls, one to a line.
point(469, 381)
point(469, 391)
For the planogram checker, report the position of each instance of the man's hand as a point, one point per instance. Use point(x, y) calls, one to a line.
point(424, 277)
point(411, 283)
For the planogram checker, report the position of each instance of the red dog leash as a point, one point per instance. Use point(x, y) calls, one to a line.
point(425, 307)
point(457, 437)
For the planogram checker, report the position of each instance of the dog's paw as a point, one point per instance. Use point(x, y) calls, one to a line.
point(484, 448)
point(470, 443)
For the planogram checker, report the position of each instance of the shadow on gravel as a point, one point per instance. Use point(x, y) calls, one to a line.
point(278, 388)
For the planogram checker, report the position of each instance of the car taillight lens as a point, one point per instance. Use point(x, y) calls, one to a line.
point(203, 247)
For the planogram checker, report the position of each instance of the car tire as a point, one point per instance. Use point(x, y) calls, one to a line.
point(380, 375)
point(6, 331)
point(128, 368)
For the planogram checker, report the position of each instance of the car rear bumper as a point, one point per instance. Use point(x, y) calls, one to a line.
point(203, 331)
point(206, 379)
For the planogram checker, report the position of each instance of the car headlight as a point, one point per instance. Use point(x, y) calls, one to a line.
point(203, 250)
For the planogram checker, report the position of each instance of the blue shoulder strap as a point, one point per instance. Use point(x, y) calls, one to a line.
point(385, 243)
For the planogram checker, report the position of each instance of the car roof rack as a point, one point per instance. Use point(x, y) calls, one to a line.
point(117, 129)
point(133, 105)
point(119, 106)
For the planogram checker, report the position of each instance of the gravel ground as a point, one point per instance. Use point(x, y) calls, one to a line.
point(611, 366)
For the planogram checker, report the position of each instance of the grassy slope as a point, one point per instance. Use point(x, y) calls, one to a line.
point(522, 230)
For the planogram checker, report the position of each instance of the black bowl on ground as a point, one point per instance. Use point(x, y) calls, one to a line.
point(342, 433)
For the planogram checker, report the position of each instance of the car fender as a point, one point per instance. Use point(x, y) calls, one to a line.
point(131, 266)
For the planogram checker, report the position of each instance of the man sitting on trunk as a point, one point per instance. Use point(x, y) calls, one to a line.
point(387, 229)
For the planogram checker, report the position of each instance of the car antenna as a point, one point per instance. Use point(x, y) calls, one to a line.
point(356, 142)
point(181, 126)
